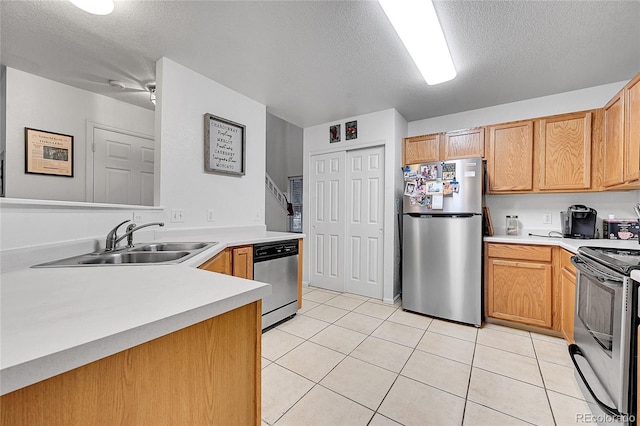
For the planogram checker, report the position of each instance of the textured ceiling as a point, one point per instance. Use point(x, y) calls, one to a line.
point(312, 62)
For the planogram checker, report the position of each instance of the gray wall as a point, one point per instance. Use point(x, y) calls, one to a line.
point(284, 151)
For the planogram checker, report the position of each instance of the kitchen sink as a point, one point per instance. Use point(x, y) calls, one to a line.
point(129, 257)
point(140, 254)
point(168, 247)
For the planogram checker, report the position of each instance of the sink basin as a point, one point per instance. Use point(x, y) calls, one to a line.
point(130, 257)
point(169, 247)
point(142, 254)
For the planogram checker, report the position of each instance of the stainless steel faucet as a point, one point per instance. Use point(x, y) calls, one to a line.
point(113, 239)
point(133, 228)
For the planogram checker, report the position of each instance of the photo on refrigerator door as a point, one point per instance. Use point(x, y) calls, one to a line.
point(410, 188)
point(429, 171)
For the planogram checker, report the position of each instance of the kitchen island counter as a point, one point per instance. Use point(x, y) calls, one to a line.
point(56, 319)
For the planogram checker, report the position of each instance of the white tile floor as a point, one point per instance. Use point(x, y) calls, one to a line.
point(349, 360)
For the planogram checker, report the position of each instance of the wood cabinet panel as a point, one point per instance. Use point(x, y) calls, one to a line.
point(520, 251)
point(520, 291)
point(243, 262)
point(208, 373)
point(464, 144)
point(220, 263)
point(565, 152)
point(632, 130)
point(565, 261)
point(510, 157)
point(421, 149)
point(568, 286)
point(613, 149)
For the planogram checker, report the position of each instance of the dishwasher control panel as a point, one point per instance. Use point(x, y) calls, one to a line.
point(268, 251)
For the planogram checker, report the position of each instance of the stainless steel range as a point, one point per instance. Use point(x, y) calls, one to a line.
point(605, 323)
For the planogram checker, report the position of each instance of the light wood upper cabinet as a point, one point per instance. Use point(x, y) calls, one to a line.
point(632, 130)
point(564, 147)
point(243, 262)
point(421, 149)
point(510, 157)
point(464, 144)
point(613, 150)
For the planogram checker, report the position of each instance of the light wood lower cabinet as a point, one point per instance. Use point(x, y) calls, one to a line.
point(243, 262)
point(205, 374)
point(568, 284)
point(236, 261)
point(519, 284)
point(220, 263)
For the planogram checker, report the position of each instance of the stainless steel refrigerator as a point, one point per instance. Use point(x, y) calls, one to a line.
point(442, 240)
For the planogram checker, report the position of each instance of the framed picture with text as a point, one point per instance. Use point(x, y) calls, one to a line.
point(224, 146)
point(48, 153)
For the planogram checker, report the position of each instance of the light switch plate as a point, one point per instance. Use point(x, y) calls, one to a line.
point(546, 218)
point(137, 217)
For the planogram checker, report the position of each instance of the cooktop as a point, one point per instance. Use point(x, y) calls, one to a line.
point(623, 260)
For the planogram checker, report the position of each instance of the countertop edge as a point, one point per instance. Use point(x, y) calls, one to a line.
point(568, 244)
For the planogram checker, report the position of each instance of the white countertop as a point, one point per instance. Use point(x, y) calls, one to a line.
point(566, 243)
point(57, 319)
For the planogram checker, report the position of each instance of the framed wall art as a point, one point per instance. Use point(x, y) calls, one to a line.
point(351, 130)
point(48, 153)
point(334, 133)
point(224, 146)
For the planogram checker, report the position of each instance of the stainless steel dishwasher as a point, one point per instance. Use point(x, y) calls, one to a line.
point(276, 263)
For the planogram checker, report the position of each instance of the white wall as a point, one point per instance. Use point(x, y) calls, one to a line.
point(276, 218)
point(43, 104)
point(379, 128)
point(185, 97)
point(530, 208)
point(577, 100)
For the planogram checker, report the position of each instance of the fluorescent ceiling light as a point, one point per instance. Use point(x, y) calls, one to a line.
point(96, 7)
point(417, 24)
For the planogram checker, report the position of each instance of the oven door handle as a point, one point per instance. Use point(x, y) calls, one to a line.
point(595, 272)
point(575, 350)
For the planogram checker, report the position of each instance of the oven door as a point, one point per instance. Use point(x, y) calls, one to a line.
point(602, 333)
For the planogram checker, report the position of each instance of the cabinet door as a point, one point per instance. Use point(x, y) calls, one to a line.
point(221, 263)
point(243, 262)
point(464, 144)
point(632, 130)
point(568, 286)
point(510, 159)
point(565, 152)
point(421, 149)
point(520, 292)
point(613, 150)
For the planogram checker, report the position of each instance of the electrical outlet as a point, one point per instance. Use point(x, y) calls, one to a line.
point(177, 215)
point(546, 218)
point(210, 217)
point(137, 217)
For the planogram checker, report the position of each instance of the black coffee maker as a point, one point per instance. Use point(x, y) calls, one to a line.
point(579, 222)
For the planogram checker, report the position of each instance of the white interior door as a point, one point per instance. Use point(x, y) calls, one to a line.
point(327, 192)
point(365, 222)
point(122, 168)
